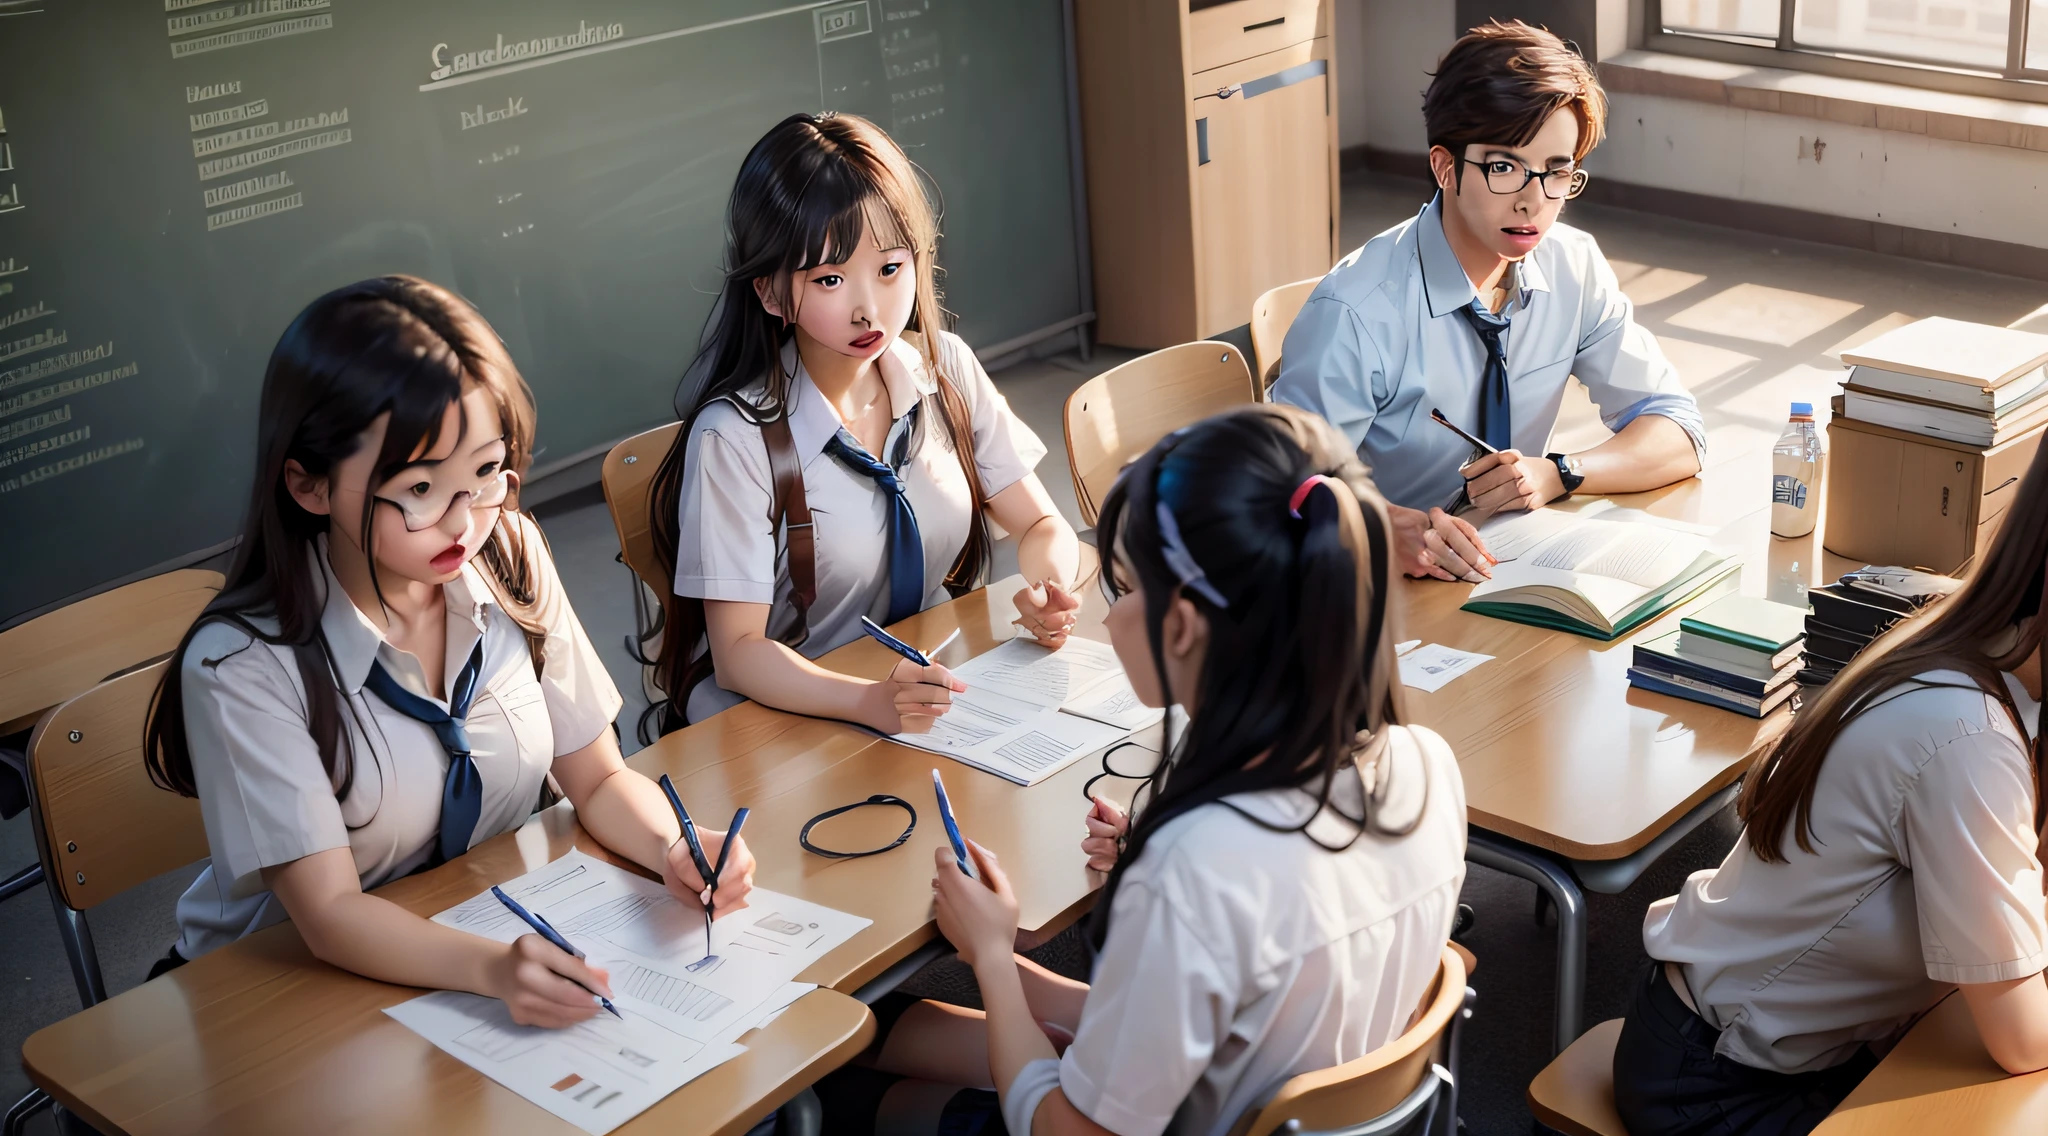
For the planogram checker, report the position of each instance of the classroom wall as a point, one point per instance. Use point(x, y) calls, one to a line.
point(1399, 42)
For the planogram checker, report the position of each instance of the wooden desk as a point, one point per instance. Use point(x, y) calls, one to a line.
point(1940, 1079)
point(260, 1037)
point(1575, 780)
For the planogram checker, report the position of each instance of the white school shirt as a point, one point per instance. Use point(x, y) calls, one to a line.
point(1924, 874)
point(729, 551)
point(266, 798)
point(1239, 957)
point(1380, 342)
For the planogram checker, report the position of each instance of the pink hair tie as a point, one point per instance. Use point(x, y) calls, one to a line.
point(1301, 492)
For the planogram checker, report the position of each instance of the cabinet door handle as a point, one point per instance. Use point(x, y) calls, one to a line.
point(1201, 141)
point(1266, 24)
point(1299, 73)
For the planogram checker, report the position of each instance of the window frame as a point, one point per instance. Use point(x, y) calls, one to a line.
point(2012, 81)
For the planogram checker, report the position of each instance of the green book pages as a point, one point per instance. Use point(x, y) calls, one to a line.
point(1591, 576)
point(1760, 625)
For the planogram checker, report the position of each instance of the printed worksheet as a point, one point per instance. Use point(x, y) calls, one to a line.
point(1029, 712)
point(596, 1075)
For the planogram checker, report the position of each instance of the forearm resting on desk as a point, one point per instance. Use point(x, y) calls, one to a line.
point(754, 666)
point(1649, 453)
point(2012, 1018)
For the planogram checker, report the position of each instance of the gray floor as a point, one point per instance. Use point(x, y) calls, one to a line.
point(1752, 323)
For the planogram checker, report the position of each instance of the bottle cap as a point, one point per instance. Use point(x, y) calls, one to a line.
point(1800, 409)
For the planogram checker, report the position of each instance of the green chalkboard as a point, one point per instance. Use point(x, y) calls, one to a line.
point(178, 177)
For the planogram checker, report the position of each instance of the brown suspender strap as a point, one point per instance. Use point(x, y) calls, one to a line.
point(790, 511)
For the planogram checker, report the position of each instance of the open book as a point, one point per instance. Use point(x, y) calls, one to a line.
point(1029, 712)
point(1591, 575)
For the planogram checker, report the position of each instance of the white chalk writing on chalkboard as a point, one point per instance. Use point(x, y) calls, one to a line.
point(501, 52)
point(20, 316)
point(291, 147)
point(228, 116)
point(242, 37)
point(54, 469)
point(42, 446)
point(41, 341)
point(11, 200)
point(515, 105)
point(65, 389)
point(54, 365)
point(213, 90)
point(243, 13)
point(249, 187)
point(35, 425)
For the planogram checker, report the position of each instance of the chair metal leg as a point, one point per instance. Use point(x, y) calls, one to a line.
point(20, 882)
point(17, 1117)
point(1556, 880)
point(802, 1115)
point(85, 961)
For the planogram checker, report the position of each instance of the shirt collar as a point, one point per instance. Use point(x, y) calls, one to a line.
point(813, 421)
point(353, 641)
point(1443, 278)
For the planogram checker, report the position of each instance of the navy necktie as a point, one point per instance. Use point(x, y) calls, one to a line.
point(906, 547)
point(1496, 424)
point(462, 795)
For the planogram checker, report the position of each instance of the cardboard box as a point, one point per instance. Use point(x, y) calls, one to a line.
point(1899, 498)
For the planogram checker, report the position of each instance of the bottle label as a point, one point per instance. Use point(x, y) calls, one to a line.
point(1788, 490)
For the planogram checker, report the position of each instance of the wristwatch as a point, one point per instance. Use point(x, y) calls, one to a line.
point(1569, 472)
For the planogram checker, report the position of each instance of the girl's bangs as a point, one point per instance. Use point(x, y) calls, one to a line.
point(419, 406)
point(833, 229)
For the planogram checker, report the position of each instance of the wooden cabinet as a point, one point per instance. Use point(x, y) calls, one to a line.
point(1899, 498)
point(1210, 135)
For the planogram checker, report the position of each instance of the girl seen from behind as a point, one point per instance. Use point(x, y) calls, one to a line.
point(1890, 855)
point(841, 454)
point(1281, 898)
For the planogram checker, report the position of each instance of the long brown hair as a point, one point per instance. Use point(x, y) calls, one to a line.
point(805, 196)
point(1299, 681)
point(395, 345)
point(2000, 596)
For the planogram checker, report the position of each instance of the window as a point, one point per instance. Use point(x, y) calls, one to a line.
point(1949, 42)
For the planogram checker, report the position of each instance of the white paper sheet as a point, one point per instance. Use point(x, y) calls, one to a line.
point(1431, 668)
point(1029, 712)
point(596, 1075)
point(681, 1006)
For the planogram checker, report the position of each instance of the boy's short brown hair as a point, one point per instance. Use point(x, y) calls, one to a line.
point(1500, 84)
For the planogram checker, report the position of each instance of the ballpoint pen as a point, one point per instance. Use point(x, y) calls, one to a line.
point(921, 658)
point(705, 870)
point(547, 931)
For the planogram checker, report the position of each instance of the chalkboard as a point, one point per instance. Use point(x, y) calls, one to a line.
point(179, 177)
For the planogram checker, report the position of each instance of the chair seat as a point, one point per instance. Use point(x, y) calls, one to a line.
point(1575, 1092)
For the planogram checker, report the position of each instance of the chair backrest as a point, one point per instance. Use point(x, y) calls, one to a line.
point(1118, 414)
point(102, 825)
point(1272, 314)
point(628, 478)
point(1341, 1096)
point(62, 654)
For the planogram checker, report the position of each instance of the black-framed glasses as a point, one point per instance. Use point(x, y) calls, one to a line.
point(1506, 175)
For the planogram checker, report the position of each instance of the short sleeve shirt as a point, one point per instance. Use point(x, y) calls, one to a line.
point(1239, 957)
point(728, 549)
point(1925, 874)
point(265, 795)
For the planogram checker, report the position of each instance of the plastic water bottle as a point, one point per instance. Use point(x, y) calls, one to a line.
point(1796, 475)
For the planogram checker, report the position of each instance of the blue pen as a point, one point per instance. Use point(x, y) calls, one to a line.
point(952, 828)
point(705, 869)
point(547, 931)
point(900, 647)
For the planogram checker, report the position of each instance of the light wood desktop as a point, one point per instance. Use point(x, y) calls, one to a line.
point(1940, 1078)
point(261, 1037)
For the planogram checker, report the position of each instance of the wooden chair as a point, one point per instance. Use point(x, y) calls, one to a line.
point(1272, 314)
point(101, 825)
point(1575, 1092)
point(628, 478)
point(1118, 414)
point(1412, 1081)
point(61, 654)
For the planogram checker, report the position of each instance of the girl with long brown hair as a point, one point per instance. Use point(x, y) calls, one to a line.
point(842, 454)
point(393, 672)
point(1891, 854)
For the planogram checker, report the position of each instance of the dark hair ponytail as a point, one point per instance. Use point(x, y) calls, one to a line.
point(1292, 546)
point(806, 195)
point(395, 345)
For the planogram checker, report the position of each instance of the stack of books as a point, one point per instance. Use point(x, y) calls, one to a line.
point(1856, 609)
point(1941, 378)
point(1739, 653)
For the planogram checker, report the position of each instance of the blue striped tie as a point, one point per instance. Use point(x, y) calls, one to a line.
point(906, 547)
point(462, 795)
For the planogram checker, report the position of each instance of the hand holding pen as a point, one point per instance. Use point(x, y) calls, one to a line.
point(1048, 611)
point(917, 690)
point(540, 964)
point(713, 868)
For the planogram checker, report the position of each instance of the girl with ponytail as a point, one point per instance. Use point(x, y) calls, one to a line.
point(1287, 882)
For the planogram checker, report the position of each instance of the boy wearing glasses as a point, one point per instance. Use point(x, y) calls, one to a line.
point(1482, 307)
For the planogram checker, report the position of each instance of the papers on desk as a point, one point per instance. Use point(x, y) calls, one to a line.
point(682, 1008)
point(1029, 712)
point(1431, 668)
